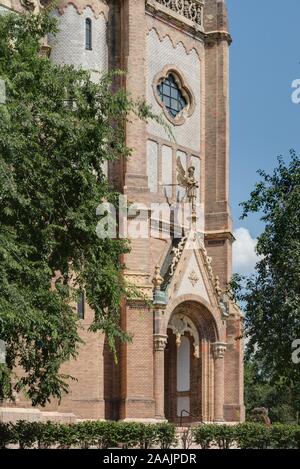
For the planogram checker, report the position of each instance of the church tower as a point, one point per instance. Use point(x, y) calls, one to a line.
point(185, 361)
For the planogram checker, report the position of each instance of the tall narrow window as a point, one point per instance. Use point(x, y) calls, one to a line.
point(80, 306)
point(88, 34)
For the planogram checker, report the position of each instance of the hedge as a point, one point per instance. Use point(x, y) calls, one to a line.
point(87, 434)
point(108, 434)
point(247, 436)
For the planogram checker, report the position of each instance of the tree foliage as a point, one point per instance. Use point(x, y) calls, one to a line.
point(281, 400)
point(57, 128)
point(272, 296)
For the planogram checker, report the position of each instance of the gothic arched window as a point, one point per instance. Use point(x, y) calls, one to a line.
point(88, 34)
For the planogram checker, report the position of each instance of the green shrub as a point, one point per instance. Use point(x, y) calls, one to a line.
point(252, 436)
point(147, 436)
point(26, 433)
point(283, 436)
point(204, 435)
point(297, 436)
point(7, 434)
point(166, 435)
point(83, 435)
point(224, 436)
point(46, 435)
point(66, 435)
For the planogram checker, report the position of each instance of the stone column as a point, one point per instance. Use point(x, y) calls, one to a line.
point(160, 342)
point(218, 350)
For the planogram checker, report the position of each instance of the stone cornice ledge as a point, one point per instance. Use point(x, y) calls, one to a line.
point(165, 13)
point(219, 234)
point(216, 36)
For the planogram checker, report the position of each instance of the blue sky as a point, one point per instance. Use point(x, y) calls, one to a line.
point(264, 61)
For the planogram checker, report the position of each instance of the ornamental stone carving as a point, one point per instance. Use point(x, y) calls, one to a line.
point(139, 283)
point(207, 261)
point(217, 286)
point(177, 255)
point(180, 324)
point(193, 278)
point(218, 350)
point(192, 10)
point(160, 342)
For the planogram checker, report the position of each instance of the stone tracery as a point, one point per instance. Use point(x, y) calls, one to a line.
point(189, 9)
point(180, 324)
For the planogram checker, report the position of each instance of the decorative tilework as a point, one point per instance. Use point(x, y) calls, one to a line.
point(68, 47)
point(160, 54)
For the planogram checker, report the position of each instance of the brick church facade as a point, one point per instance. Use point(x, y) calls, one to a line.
point(185, 360)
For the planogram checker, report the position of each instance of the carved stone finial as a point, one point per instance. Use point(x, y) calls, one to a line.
point(157, 279)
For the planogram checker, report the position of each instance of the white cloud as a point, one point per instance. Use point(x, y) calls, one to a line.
point(244, 252)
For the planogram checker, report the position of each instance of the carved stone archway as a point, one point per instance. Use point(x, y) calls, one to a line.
point(183, 370)
point(190, 343)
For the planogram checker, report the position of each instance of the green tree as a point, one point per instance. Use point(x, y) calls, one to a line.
point(281, 400)
point(272, 296)
point(57, 128)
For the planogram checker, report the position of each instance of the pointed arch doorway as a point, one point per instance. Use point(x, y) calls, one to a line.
point(193, 365)
point(183, 371)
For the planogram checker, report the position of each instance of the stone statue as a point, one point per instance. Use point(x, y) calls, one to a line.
point(157, 278)
point(188, 180)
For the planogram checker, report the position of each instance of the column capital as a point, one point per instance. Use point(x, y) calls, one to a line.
point(218, 349)
point(160, 342)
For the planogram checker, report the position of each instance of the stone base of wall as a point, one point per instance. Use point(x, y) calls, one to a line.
point(234, 413)
point(9, 414)
point(141, 420)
